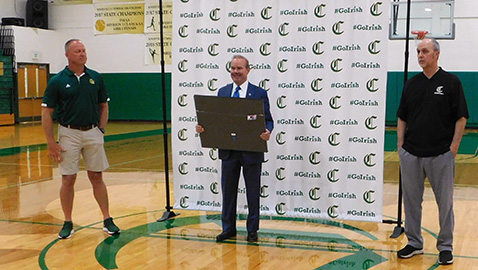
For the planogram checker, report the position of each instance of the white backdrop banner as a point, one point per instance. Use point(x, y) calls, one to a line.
point(324, 66)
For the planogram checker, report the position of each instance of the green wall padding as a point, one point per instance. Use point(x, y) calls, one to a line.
point(395, 80)
point(137, 96)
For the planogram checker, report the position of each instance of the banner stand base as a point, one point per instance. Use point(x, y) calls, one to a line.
point(167, 215)
point(397, 232)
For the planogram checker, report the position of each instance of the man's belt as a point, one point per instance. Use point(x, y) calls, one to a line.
point(83, 128)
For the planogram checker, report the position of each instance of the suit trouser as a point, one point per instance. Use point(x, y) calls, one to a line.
point(440, 171)
point(231, 169)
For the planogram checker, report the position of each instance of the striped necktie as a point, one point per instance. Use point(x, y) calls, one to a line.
point(236, 92)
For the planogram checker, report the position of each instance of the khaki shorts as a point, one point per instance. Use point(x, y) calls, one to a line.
point(89, 143)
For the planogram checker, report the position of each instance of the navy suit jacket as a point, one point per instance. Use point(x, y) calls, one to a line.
point(256, 92)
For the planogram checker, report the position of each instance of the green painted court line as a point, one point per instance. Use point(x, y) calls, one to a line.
point(108, 138)
point(318, 247)
point(107, 250)
point(134, 135)
point(42, 256)
point(319, 221)
point(22, 149)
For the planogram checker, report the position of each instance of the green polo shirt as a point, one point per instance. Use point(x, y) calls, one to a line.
point(76, 98)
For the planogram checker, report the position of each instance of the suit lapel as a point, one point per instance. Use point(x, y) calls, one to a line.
point(229, 90)
point(250, 91)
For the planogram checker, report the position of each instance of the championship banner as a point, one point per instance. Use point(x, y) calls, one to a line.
point(119, 19)
point(114, 1)
point(71, 2)
point(152, 52)
point(324, 66)
point(151, 17)
point(152, 28)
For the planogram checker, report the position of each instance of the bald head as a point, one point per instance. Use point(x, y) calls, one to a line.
point(69, 42)
point(428, 52)
point(75, 52)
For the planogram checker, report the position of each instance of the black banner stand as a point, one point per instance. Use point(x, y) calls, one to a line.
point(169, 213)
point(399, 229)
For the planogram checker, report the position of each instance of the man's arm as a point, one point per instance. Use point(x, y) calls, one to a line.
point(401, 126)
point(266, 135)
point(458, 135)
point(103, 108)
point(54, 149)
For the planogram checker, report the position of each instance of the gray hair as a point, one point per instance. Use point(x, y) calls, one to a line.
point(238, 56)
point(67, 44)
point(436, 45)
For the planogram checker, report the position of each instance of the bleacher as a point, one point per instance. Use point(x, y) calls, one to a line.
point(7, 75)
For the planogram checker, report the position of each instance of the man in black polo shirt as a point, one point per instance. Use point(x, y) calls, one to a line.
point(80, 96)
point(431, 120)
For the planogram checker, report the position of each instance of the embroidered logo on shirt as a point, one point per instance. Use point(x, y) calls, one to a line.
point(67, 85)
point(92, 81)
point(439, 91)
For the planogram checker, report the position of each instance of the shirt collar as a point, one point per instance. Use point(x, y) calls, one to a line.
point(71, 73)
point(243, 86)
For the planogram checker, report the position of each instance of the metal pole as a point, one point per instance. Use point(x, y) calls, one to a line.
point(399, 229)
point(168, 214)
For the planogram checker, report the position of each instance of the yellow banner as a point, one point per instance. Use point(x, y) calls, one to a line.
point(151, 17)
point(114, 1)
point(119, 19)
point(152, 51)
point(71, 2)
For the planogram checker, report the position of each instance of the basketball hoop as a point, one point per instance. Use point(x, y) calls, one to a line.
point(420, 34)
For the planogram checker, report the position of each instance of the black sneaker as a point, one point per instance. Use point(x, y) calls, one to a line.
point(445, 257)
point(110, 227)
point(67, 230)
point(252, 237)
point(408, 252)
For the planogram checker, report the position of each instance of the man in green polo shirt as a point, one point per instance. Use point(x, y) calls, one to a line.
point(79, 95)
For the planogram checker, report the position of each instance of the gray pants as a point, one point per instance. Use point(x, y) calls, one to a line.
point(440, 171)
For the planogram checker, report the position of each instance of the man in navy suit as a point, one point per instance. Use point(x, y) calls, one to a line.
point(232, 161)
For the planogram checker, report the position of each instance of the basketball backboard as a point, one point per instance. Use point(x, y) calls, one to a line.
point(435, 17)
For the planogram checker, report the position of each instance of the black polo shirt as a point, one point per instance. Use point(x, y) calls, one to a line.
point(431, 107)
point(76, 98)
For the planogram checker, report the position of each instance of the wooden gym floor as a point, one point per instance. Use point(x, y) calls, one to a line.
point(31, 217)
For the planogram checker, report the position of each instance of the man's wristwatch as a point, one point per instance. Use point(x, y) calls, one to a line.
point(102, 130)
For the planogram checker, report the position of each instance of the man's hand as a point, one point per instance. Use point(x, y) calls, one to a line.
point(54, 151)
point(199, 129)
point(266, 135)
point(454, 149)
